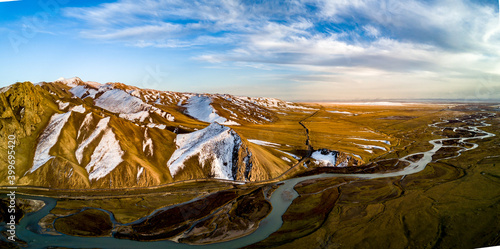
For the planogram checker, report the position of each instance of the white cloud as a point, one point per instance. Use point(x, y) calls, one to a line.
point(371, 31)
point(336, 41)
point(144, 32)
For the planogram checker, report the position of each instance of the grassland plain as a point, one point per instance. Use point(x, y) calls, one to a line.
point(440, 207)
point(452, 203)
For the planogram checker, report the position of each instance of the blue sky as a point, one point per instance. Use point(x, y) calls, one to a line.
point(312, 50)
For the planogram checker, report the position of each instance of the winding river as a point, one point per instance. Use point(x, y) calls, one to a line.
point(29, 231)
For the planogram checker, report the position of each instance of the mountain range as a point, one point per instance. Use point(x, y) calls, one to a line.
point(73, 134)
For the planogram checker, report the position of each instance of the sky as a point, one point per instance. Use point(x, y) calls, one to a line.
point(298, 50)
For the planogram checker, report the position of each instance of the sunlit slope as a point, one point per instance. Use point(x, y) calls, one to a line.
point(25, 111)
point(74, 134)
point(371, 131)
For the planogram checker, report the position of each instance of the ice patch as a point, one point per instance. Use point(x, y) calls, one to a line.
point(214, 145)
point(101, 126)
point(106, 156)
point(264, 143)
point(325, 157)
point(48, 139)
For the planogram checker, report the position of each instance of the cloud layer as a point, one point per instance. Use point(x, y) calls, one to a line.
point(438, 48)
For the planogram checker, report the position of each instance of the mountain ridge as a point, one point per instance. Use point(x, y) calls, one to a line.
point(92, 135)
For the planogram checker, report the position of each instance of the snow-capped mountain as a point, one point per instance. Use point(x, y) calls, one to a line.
point(76, 134)
point(217, 149)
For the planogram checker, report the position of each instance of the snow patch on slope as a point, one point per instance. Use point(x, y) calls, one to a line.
point(264, 143)
point(118, 101)
point(78, 108)
point(138, 116)
point(199, 107)
point(147, 144)
point(71, 82)
point(48, 139)
point(371, 147)
point(4, 89)
point(139, 173)
point(81, 90)
point(162, 113)
point(129, 106)
point(62, 105)
point(340, 112)
point(214, 145)
point(101, 126)
point(290, 154)
point(159, 126)
point(274, 103)
point(372, 140)
point(106, 156)
point(86, 122)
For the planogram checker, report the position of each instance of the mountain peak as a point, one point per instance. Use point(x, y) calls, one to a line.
point(76, 81)
point(70, 81)
point(151, 137)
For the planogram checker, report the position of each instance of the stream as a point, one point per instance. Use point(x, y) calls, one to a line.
point(29, 231)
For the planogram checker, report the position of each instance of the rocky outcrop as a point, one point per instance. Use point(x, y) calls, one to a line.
point(20, 109)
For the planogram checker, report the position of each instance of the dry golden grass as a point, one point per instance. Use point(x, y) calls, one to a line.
point(452, 203)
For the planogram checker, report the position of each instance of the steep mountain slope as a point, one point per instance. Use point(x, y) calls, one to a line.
point(218, 151)
point(20, 109)
point(76, 134)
